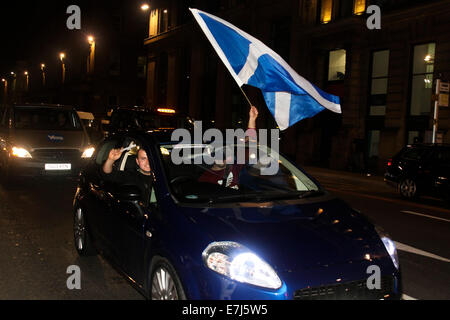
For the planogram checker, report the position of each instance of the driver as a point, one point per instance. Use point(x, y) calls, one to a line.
point(142, 177)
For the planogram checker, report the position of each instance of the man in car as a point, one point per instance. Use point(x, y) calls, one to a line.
point(141, 178)
point(228, 175)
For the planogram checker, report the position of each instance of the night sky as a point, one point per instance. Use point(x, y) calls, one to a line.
point(31, 30)
point(35, 31)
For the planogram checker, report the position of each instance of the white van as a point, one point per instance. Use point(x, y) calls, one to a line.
point(42, 140)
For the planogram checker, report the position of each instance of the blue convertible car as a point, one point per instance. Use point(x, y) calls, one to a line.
point(277, 236)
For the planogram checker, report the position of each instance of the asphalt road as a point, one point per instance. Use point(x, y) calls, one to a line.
point(37, 240)
point(37, 248)
point(420, 228)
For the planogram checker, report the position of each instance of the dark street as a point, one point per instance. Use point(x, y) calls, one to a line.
point(36, 224)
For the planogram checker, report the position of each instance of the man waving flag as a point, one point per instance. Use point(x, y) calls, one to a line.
point(289, 97)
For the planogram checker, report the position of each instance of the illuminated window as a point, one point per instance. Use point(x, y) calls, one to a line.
point(153, 27)
point(422, 79)
point(336, 65)
point(359, 7)
point(326, 10)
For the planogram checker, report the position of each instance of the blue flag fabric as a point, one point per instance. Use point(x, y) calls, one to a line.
point(289, 97)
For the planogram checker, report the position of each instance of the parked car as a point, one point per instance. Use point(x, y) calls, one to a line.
point(138, 118)
point(420, 169)
point(274, 237)
point(41, 140)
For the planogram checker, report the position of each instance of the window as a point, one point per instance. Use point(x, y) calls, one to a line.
point(413, 137)
point(114, 67)
point(159, 21)
point(374, 141)
point(164, 20)
point(153, 25)
point(345, 8)
point(336, 65)
point(422, 79)
point(414, 153)
point(379, 83)
point(326, 11)
point(141, 67)
point(103, 151)
point(359, 7)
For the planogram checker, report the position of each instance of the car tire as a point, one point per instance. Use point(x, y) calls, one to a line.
point(82, 238)
point(408, 188)
point(164, 281)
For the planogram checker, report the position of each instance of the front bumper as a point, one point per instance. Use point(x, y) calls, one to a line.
point(18, 167)
point(321, 283)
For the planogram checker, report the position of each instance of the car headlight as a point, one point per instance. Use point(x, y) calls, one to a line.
point(238, 263)
point(88, 152)
point(20, 153)
point(389, 245)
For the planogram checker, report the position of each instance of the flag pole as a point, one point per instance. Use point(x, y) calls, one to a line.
point(245, 96)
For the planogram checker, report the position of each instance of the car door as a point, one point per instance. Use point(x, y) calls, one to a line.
point(130, 239)
point(440, 172)
point(99, 200)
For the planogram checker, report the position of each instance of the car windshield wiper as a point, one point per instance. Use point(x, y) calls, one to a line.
point(263, 196)
point(241, 197)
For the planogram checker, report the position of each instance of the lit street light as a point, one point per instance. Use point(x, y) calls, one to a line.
point(26, 79)
point(5, 94)
point(14, 83)
point(62, 55)
point(91, 57)
point(43, 74)
point(145, 7)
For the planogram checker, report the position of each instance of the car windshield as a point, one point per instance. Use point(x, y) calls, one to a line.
point(45, 119)
point(256, 174)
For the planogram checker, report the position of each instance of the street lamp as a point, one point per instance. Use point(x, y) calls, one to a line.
point(145, 7)
point(62, 56)
point(26, 78)
point(43, 74)
point(5, 94)
point(91, 57)
point(13, 74)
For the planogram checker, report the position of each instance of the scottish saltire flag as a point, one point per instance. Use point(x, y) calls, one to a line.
point(289, 96)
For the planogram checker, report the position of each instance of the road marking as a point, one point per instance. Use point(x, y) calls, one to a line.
point(404, 247)
point(406, 297)
point(425, 215)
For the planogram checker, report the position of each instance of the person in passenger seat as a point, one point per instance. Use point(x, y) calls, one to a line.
point(224, 172)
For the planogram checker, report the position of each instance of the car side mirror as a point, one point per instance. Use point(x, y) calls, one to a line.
point(129, 193)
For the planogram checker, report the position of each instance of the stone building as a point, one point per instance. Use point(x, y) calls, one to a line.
point(385, 77)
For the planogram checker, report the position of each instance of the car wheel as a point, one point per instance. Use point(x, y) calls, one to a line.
point(408, 188)
point(164, 282)
point(82, 239)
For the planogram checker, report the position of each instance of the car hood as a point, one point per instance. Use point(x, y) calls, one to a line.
point(294, 236)
point(40, 139)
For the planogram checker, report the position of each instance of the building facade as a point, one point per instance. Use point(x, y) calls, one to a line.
point(385, 77)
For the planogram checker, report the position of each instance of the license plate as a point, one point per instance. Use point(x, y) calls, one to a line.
point(58, 166)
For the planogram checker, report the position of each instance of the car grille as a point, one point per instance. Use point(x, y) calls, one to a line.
point(50, 155)
point(355, 290)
